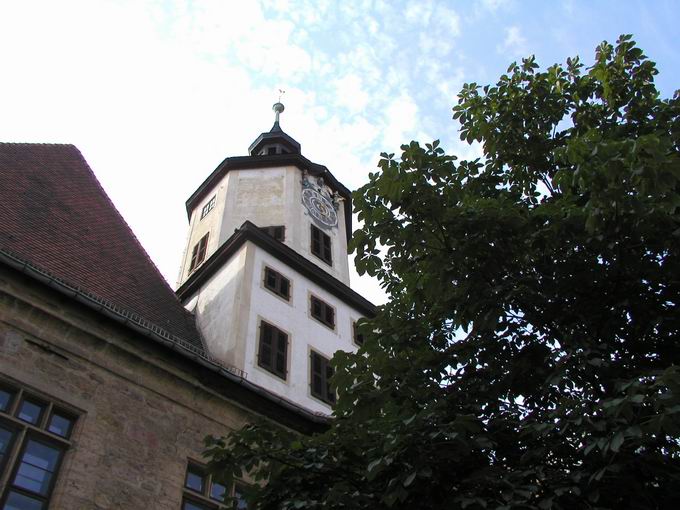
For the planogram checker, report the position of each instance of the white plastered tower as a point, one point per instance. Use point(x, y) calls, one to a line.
point(266, 269)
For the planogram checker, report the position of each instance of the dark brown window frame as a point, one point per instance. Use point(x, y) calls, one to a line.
point(24, 432)
point(278, 232)
point(209, 206)
point(198, 252)
point(277, 338)
point(321, 245)
point(357, 337)
point(319, 367)
point(276, 283)
point(322, 311)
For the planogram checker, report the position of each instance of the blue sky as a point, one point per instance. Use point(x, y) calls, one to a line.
point(155, 94)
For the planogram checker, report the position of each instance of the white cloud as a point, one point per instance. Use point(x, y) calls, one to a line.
point(514, 45)
point(494, 5)
point(350, 93)
point(449, 21)
point(400, 122)
point(157, 93)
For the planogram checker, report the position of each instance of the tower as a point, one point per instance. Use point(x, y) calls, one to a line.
point(265, 269)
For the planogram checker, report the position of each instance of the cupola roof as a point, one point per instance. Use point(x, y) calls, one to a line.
point(276, 141)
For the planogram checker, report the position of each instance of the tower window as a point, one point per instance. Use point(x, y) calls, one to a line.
point(357, 337)
point(277, 283)
point(321, 373)
point(209, 206)
point(322, 311)
point(321, 245)
point(278, 232)
point(273, 352)
point(198, 253)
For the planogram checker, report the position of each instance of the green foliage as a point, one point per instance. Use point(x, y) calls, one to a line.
point(529, 354)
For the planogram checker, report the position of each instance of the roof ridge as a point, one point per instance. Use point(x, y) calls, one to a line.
point(40, 143)
point(122, 218)
point(57, 215)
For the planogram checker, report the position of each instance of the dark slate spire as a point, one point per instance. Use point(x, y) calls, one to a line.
point(275, 141)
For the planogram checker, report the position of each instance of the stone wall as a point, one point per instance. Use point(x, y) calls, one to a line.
point(143, 411)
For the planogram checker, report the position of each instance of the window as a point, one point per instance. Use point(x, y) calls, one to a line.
point(209, 206)
point(278, 232)
point(34, 437)
point(277, 283)
point(357, 337)
point(322, 311)
point(202, 492)
point(320, 378)
point(321, 245)
point(198, 254)
point(273, 352)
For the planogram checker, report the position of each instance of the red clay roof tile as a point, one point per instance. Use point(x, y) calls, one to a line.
point(55, 215)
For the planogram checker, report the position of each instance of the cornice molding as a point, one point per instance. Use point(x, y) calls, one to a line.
point(273, 161)
point(250, 232)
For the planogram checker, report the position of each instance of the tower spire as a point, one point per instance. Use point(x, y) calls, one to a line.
point(278, 109)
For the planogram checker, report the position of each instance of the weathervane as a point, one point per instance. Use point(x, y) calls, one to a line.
point(278, 107)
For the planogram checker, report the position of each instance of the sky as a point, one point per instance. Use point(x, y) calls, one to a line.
point(156, 94)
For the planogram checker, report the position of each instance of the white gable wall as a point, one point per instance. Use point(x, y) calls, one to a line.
point(231, 304)
point(304, 332)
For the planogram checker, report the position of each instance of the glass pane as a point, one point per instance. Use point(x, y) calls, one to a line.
point(41, 455)
point(190, 505)
point(16, 501)
point(30, 411)
point(5, 399)
point(218, 491)
point(33, 479)
point(5, 439)
point(38, 463)
point(194, 480)
point(60, 425)
point(239, 501)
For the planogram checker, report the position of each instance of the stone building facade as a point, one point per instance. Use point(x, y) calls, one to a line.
point(108, 383)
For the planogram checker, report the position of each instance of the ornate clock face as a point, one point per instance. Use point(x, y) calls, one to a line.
point(319, 207)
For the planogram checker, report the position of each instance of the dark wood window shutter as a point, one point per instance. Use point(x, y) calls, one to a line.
point(278, 232)
point(321, 245)
point(273, 351)
point(198, 253)
point(277, 283)
point(320, 378)
point(322, 311)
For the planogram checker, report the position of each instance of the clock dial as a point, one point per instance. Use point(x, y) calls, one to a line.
point(319, 207)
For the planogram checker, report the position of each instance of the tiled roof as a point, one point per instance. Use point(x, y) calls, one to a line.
point(55, 215)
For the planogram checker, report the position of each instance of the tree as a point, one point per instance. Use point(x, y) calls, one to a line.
point(528, 356)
